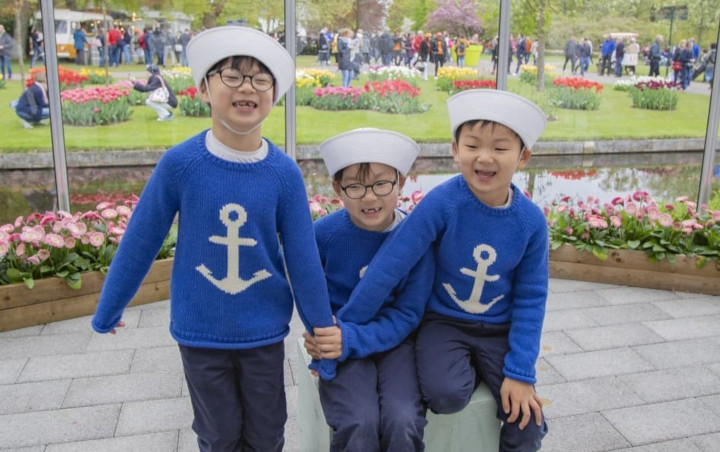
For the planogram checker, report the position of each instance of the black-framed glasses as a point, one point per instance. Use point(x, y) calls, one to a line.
point(232, 78)
point(381, 188)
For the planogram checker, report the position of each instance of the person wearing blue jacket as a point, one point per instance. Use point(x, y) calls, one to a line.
point(608, 47)
point(32, 106)
point(374, 402)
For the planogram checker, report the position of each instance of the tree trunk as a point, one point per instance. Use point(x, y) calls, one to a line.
point(21, 17)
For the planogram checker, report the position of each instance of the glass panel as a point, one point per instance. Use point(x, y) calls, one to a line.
point(27, 182)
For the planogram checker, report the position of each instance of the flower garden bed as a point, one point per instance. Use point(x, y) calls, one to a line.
point(632, 268)
point(51, 299)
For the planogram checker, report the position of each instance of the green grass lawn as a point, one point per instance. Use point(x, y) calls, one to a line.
point(615, 119)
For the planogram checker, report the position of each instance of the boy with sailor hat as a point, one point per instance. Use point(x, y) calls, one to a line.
point(374, 403)
point(243, 224)
point(484, 317)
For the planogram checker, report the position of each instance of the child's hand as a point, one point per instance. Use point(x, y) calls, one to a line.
point(120, 324)
point(520, 397)
point(311, 346)
point(329, 341)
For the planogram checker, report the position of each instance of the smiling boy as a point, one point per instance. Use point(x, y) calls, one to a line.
point(374, 402)
point(484, 317)
point(245, 247)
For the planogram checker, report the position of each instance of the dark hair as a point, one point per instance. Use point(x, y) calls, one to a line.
point(363, 172)
point(242, 63)
point(485, 123)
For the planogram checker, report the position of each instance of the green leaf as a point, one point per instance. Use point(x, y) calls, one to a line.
point(70, 258)
point(633, 244)
point(600, 253)
point(74, 281)
point(29, 282)
point(700, 261)
point(14, 275)
point(658, 249)
point(62, 274)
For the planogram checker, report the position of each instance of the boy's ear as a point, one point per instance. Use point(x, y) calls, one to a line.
point(525, 155)
point(455, 150)
point(203, 92)
point(336, 187)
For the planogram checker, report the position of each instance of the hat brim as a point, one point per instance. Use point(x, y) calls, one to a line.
point(520, 115)
point(369, 145)
point(216, 44)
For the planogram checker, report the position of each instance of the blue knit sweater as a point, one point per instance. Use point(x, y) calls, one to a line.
point(345, 252)
point(491, 266)
point(229, 288)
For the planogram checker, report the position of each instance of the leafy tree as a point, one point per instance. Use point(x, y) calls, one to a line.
point(703, 17)
point(458, 17)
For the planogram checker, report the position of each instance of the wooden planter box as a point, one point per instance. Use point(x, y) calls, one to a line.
point(632, 268)
point(51, 299)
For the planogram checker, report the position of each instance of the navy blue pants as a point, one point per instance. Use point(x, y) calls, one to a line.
point(238, 397)
point(453, 357)
point(374, 404)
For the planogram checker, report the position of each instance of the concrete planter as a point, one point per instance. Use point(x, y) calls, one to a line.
point(51, 299)
point(632, 268)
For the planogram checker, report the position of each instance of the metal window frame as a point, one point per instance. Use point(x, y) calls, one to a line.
point(58, 137)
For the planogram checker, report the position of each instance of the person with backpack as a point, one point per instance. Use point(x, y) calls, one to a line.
point(439, 50)
point(461, 46)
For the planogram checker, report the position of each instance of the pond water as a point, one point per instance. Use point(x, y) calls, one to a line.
point(546, 178)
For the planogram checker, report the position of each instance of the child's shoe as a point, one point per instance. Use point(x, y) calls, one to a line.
point(26, 124)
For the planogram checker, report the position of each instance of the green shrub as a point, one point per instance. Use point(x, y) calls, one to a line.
point(654, 99)
point(572, 99)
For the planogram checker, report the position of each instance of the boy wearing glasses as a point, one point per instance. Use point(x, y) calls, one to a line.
point(373, 404)
point(243, 224)
point(484, 317)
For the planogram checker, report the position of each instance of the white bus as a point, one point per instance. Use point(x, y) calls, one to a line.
point(66, 22)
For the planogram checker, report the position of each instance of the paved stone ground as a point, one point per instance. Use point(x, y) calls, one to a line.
point(621, 369)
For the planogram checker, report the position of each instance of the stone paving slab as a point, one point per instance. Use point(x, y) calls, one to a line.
point(587, 396)
point(663, 421)
point(682, 445)
point(132, 338)
point(632, 295)
point(574, 300)
point(28, 347)
point(156, 317)
point(10, 369)
point(157, 359)
point(692, 307)
point(58, 426)
point(708, 443)
point(155, 442)
point(686, 328)
point(123, 388)
point(39, 396)
point(82, 324)
point(567, 319)
point(581, 366)
point(76, 366)
point(613, 336)
point(629, 313)
point(686, 382)
point(155, 416)
point(680, 353)
point(546, 374)
point(582, 433)
point(557, 342)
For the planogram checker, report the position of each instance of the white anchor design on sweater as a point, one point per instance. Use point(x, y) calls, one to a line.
point(473, 304)
point(232, 283)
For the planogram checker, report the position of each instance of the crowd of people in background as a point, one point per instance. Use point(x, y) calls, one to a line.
point(618, 54)
point(120, 45)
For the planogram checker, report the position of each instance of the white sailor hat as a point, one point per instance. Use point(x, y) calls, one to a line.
point(216, 44)
point(369, 145)
point(515, 112)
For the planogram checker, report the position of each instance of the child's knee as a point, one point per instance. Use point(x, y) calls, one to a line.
point(447, 399)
